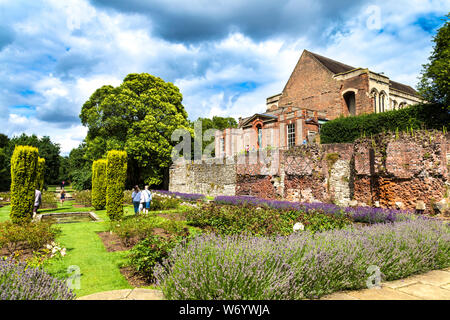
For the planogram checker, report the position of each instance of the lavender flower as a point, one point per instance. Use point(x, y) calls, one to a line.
point(302, 265)
point(18, 282)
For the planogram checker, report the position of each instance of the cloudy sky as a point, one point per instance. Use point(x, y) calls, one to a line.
point(225, 56)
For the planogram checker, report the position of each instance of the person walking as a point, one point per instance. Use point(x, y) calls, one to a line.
point(62, 196)
point(37, 201)
point(147, 199)
point(136, 197)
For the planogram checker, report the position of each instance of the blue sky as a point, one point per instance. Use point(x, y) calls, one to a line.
point(225, 56)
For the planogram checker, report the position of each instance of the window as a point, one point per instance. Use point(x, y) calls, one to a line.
point(291, 134)
point(375, 101)
point(382, 96)
point(349, 98)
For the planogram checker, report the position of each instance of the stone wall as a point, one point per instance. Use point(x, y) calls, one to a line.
point(209, 178)
point(388, 170)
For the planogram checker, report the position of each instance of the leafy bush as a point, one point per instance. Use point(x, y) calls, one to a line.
point(133, 229)
point(150, 251)
point(116, 174)
point(34, 236)
point(162, 202)
point(49, 200)
point(20, 282)
point(24, 163)
point(422, 116)
point(302, 265)
point(230, 220)
point(99, 184)
point(83, 197)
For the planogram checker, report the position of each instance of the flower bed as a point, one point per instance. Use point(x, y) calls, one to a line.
point(180, 195)
point(358, 214)
point(302, 265)
point(20, 282)
point(233, 219)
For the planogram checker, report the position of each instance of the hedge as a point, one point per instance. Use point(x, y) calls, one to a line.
point(24, 163)
point(116, 174)
point(421, 116)
point(40, 174)
point(99, 184)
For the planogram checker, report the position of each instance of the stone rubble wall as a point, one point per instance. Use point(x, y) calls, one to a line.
point(387, 170)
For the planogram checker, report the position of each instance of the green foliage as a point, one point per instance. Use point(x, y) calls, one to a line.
point(47, 150)
point(219, 123)
point(434, 84)
point(34, 236)
point(139, 116)
point(150, 251)
point(163, 203)
point(79, 168)
point(422, 116)
point(83, 197)
point(40, 174)
point(116, 174)
point(233, 220)
point(99, 184)
point(49, 200)
point(24, 162)
point(133, 229)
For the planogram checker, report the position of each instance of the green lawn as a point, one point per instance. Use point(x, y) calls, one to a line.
point(99, 268)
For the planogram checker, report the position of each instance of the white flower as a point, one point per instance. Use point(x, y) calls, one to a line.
point(298, 226)
point(48, 246)
point(63, 252)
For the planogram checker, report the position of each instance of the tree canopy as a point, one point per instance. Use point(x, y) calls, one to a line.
point(435, 80)
point(139, 116)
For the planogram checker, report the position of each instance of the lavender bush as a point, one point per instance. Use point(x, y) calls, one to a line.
point(301, 265)
point(358, 214)
point(17, 282)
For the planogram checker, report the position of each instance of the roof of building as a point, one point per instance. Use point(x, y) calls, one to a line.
point(339, 67)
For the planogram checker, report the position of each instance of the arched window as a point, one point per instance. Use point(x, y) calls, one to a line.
point(374, 95)
point(382, 98)
point(259, 131)
point(350, 102)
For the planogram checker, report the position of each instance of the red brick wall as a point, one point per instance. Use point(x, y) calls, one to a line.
point(312, 87)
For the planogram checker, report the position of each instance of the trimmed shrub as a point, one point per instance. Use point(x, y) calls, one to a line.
point(116, 174)
point(99, 184)
point(20, 282)
point(24, 163)
point(422, 116)
point(40, 174)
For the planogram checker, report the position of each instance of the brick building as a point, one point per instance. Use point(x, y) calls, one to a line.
point(319, 89)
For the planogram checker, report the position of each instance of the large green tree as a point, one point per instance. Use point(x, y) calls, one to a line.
point(435, 80)
point(139, 116)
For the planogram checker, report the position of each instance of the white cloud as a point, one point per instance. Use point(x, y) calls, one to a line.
point(63, 51)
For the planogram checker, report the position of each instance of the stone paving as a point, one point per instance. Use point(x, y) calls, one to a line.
point(433, 285)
